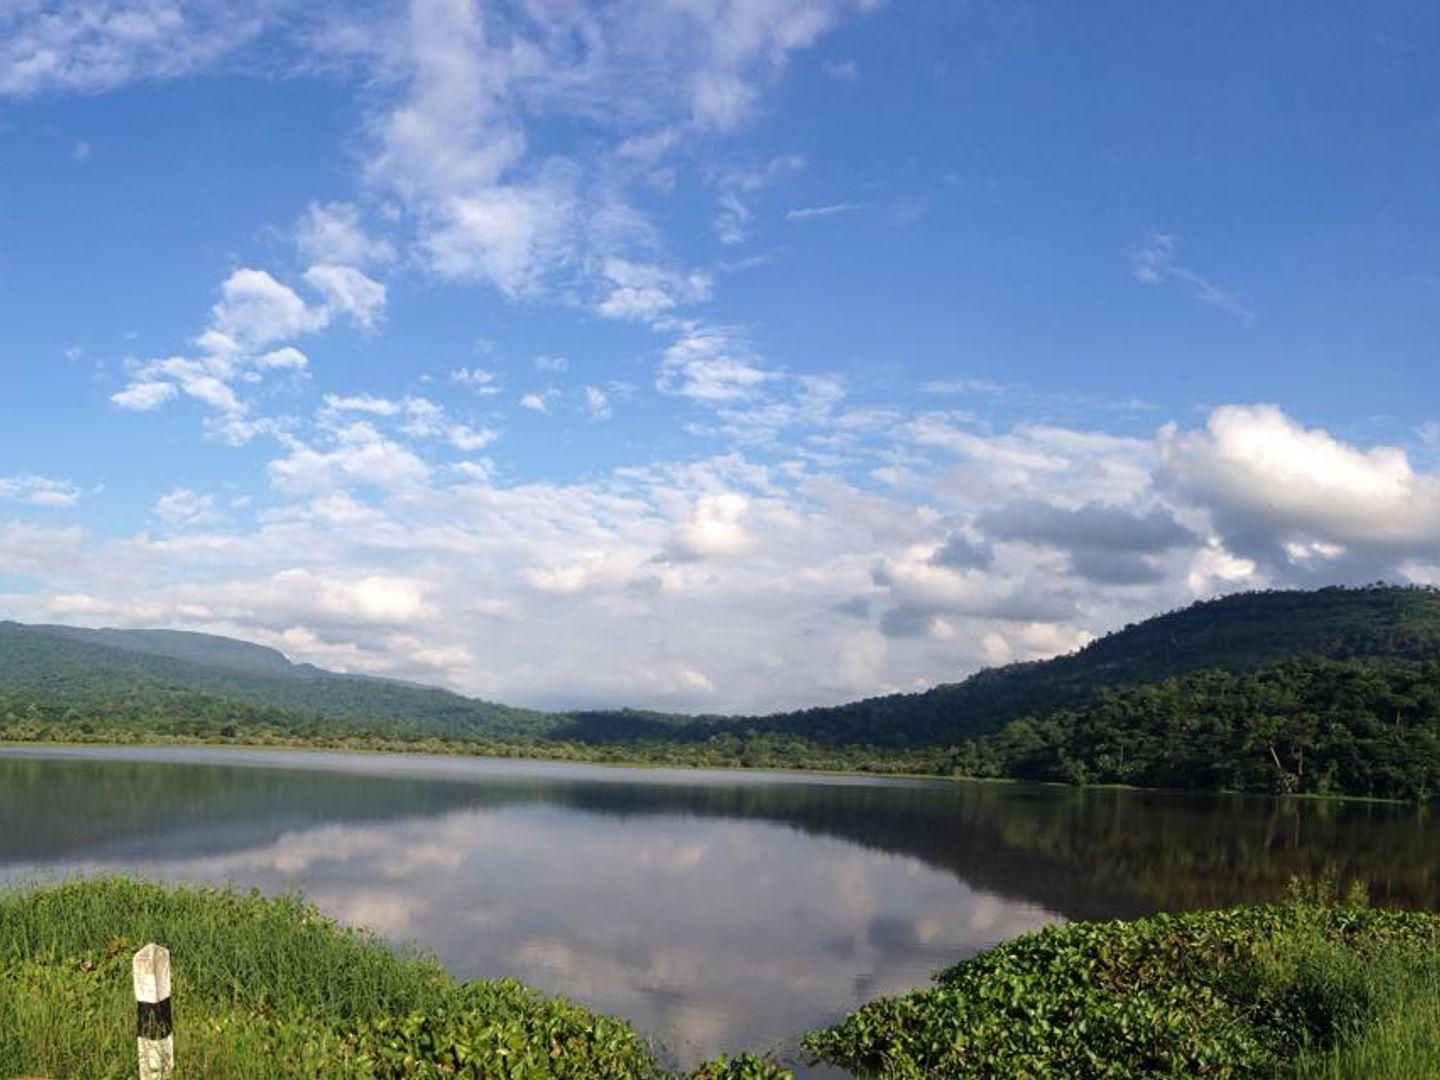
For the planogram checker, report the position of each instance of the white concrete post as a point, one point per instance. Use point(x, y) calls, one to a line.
point(152, 1006)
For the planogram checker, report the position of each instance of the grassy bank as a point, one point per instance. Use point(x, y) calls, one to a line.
point(1307, 989)
point(271, 988)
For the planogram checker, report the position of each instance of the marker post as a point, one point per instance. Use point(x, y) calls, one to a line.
point(153, 1025)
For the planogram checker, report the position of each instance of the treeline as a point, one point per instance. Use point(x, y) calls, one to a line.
point(151, 715)
point(1310, 726)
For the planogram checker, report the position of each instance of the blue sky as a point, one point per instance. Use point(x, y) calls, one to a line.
point(709, 354)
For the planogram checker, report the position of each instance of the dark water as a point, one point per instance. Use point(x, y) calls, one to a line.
point(717, 911)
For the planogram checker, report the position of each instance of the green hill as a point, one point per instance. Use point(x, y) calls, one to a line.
point(97, 668)
point(1235, 633)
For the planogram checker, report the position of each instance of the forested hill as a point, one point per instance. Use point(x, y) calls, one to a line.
point(140, 670)
point(93, 669)
point(1237, 633)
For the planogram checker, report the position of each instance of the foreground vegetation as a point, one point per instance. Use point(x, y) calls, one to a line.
point(1308, 989)
point(271, 988)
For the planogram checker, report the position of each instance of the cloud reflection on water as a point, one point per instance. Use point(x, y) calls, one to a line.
point(711, 933)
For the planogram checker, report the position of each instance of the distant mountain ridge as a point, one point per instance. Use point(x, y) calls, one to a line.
point(208, 649)
point(1236, 633)
point(92, 667)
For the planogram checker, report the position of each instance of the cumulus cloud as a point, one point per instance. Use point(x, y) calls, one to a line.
point(1297, 499)
point(254, 312)
point(715, 529)
point(254, 309)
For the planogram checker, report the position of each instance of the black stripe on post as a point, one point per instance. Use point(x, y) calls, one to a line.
point(152, 1019)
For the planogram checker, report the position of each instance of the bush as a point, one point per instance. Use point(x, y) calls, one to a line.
point(1244, 992)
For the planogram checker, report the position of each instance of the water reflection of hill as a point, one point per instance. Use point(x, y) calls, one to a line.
point(1084, 854)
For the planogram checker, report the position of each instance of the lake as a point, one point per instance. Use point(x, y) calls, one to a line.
point(715, 910)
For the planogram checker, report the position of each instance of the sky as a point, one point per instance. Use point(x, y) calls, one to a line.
point(710, 355)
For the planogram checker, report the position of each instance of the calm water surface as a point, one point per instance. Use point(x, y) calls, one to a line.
point(715, 910)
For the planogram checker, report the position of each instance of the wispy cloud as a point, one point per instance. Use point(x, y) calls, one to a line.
point(813, 213)
point(1154, 264)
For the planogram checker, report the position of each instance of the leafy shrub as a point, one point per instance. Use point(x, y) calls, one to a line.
point(1231, 993)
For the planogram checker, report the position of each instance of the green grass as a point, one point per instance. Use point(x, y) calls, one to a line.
point(1393, 1029)
point(271, 988)
point(1307, 989)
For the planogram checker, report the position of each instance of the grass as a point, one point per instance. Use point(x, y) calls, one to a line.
point(1313, 988)
point(1393, 1031)
point(269, 987)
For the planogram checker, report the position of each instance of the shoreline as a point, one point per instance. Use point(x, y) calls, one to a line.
point(446, 748)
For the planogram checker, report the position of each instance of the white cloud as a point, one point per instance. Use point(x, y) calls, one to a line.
point(1276, 489)
point(539, 400)
point(711, 365)
point(359, 455)
point(92, 45)
point(466, 439)
point(334, 233)
point(287, 358)
point(639, 291)
point(415, 416)
point(254, 309)
point(512, 236)
point(783, 583)
point(597, 402)
point(145, 394)
point(715, 529)
point(362, 403)
point(182, 507)
point(481, 380)
point(347, 291)
point(39, 491)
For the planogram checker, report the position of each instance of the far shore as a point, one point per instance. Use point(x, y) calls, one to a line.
point(612, 757)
